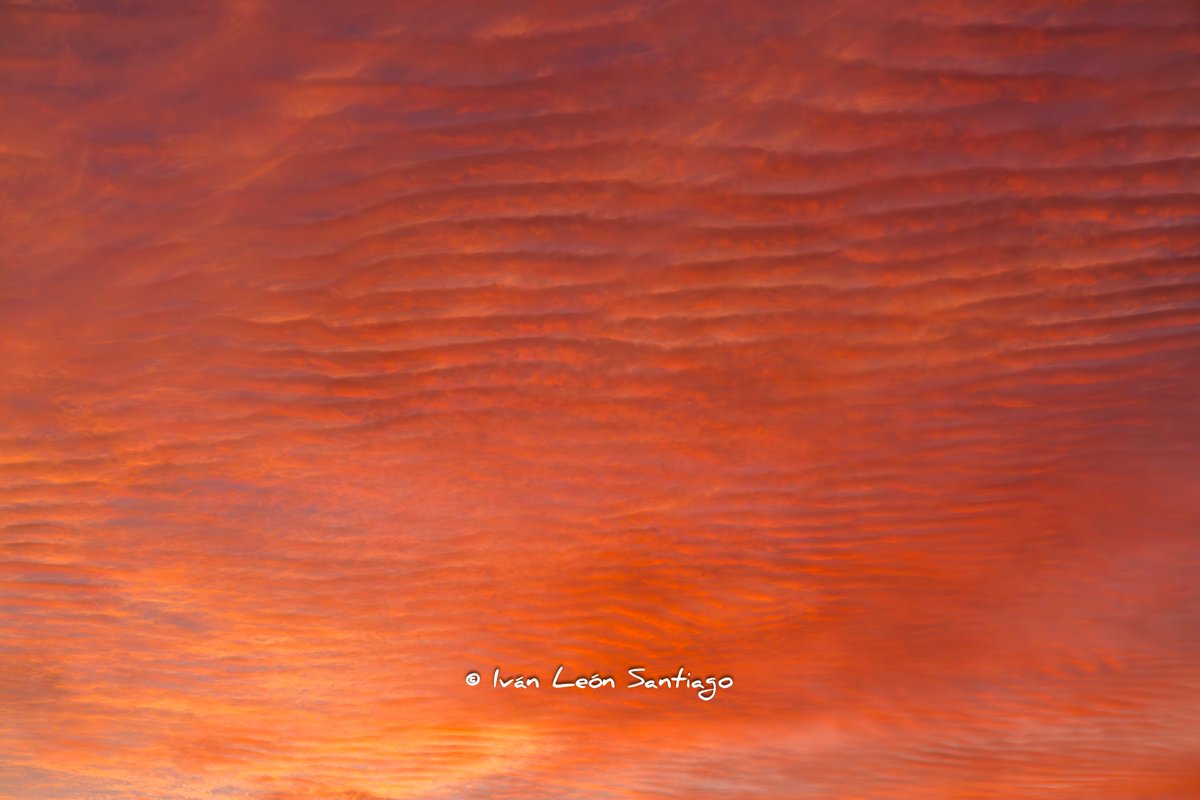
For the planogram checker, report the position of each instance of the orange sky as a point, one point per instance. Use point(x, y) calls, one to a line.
point(851, 349)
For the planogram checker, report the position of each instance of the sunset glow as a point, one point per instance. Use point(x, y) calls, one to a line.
point(848, 349)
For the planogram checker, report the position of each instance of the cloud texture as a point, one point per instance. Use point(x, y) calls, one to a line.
point(849, 348)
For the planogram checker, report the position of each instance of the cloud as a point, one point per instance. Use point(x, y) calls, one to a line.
point(847, 350)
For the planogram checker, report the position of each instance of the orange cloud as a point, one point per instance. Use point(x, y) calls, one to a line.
point(849, 350)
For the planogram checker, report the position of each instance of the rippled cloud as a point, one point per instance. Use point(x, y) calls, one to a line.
point(848, 349)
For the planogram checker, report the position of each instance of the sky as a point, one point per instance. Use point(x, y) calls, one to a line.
point(848, 348)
